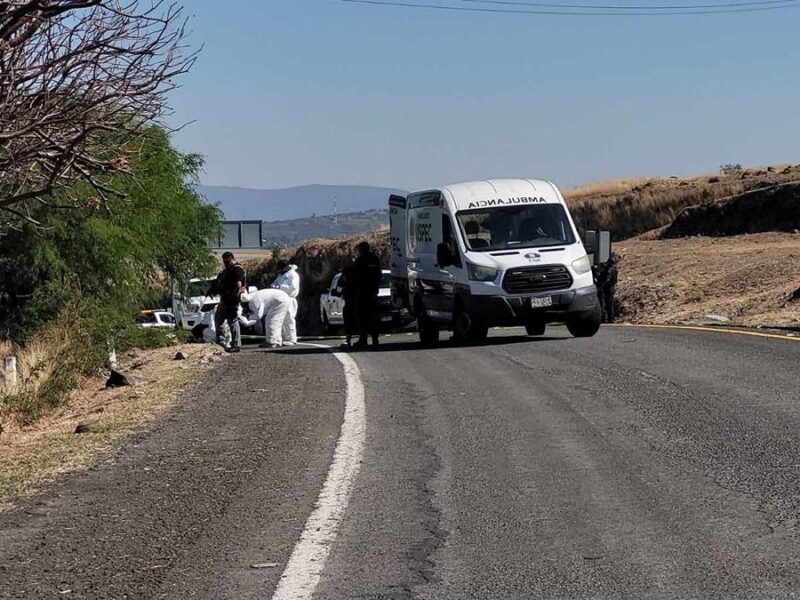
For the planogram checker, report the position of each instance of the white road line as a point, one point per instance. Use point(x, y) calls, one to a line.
point(303, 571)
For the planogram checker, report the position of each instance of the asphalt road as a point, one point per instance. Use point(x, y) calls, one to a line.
point(639, 463)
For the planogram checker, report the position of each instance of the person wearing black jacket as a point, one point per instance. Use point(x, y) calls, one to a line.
point(607, 276)
point(367, 279)
point(231, 282)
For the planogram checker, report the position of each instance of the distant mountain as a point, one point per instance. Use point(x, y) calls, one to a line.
point(297, 202)
point(293, 232)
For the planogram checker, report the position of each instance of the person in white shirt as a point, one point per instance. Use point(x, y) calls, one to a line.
point(288, 280)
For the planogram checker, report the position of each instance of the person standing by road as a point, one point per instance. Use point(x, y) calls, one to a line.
point(288, 280)
point(367, 270)
point(232, 282)
point(607, 287)
point(599, 274)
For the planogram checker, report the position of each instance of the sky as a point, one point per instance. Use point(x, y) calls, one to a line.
point(296, 92)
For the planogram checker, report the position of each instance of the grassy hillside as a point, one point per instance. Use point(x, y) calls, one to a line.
point(631, 207)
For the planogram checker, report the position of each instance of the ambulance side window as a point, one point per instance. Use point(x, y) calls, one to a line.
point(450, 239)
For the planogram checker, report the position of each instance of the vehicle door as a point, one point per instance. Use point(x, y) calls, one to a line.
point(450, 273)
point(335, 301)
point(424, 232)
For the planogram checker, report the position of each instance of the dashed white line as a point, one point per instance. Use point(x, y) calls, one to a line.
point(303, 571)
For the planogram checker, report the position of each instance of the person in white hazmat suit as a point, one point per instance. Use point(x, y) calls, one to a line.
point(209, 332)
point(289, 281)
point(271, 307)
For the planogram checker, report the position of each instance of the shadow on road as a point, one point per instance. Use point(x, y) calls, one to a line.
point(413, 345)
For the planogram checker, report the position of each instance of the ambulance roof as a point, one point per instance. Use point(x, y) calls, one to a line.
point(500, 193)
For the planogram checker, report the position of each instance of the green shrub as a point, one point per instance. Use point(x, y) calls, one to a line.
point(731, 169)
point(262, 273)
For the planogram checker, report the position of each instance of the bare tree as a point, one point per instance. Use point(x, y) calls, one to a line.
point(79, 79)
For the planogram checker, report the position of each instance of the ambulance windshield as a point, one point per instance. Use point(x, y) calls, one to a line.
point(508, 228)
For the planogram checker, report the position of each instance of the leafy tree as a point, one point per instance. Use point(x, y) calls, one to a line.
point(115, 256)
point(71, 73)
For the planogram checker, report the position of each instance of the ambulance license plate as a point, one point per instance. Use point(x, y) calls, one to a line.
point(386, 318)
point(541, 302)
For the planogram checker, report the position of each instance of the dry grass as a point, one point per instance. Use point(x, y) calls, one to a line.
point(605, 188)
point(30, 454)
point(37, 367)
point(629, 207)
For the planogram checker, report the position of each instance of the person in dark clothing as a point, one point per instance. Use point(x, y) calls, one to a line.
point(367, 272)
point(599, 272)
point(349, 288)
point(607, 276)
point(231, 283)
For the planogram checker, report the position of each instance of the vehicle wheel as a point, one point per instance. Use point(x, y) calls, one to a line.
point(327, 329)
point(427, 329)
point(480, 331)
point(535, 327)
point(465, 327)
point(586, 326)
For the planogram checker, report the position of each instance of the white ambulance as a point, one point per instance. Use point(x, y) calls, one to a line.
point(470, 256)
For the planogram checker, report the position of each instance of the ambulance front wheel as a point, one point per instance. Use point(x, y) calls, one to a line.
point(468, 328)
point(535, 327)
point(585, 326)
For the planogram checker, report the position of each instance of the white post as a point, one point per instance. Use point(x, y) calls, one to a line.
point(112, 357)
point(11, 370)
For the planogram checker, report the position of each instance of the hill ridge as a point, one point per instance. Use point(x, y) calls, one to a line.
point(282, 204)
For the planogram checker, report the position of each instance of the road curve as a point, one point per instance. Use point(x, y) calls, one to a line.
point(639, 463)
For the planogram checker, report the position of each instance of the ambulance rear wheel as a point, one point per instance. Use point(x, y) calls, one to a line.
point(428, 330)
point(586, 326)
point(326, 324)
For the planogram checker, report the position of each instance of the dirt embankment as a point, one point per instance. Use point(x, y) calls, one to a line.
point(748, 279)
point(776, 208)
point(318, 261)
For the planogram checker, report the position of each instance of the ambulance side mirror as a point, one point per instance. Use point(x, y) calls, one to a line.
point(590, 242)
point(598, 246)
point(443, 256)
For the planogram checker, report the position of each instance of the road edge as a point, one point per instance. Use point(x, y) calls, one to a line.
point(728, 330)
point(307, 561)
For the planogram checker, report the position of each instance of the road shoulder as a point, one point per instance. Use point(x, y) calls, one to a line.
point(31, 455)
point(222, 481)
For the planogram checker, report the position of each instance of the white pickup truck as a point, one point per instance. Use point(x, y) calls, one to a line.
point(189, 310)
